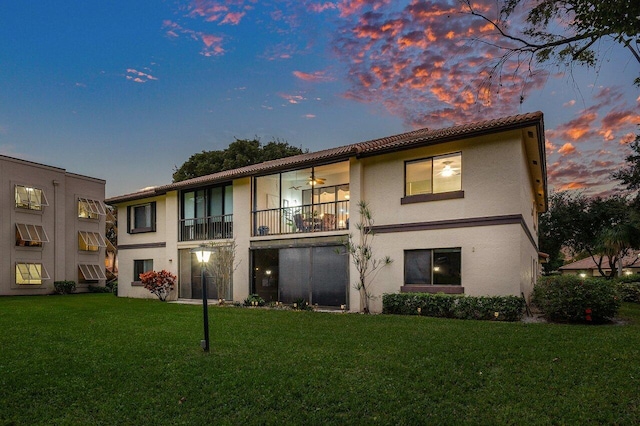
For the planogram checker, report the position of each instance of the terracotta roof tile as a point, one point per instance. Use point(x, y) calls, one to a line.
point(372, 147)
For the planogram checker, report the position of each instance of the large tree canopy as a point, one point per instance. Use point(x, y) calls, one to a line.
point(564, 31)
point(241, 152)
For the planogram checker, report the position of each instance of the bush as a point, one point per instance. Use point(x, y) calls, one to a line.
point(301, 304)
point(64, 287)
point(113, 286)
point(98, 289)
point(254, 300)
point(507, 308)
point(629, 292)
point(569, 298)
point(159, 283)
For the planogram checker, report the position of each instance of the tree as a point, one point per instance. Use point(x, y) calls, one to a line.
point(606, 229)
point(223, 266)
point(159, 283)
point(630, 175)
point(564, 31)
point(240, 153)
point(361, 252)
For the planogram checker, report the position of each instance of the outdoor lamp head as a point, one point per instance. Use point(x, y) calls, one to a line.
point(202, 253)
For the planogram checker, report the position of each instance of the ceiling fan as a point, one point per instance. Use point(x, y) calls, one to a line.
point(314, 180)
point(448, 171)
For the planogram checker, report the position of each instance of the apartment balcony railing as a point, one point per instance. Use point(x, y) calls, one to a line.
point(206, 228)
point(320, 217)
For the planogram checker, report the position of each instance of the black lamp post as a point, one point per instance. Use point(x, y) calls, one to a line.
point(203, 253)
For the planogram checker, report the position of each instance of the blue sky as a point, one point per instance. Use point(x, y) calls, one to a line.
point(126, 91)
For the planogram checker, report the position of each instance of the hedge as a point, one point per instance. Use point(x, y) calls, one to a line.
point(495, 308)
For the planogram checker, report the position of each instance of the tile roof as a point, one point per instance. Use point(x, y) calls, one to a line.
point(408, 140)
point(588, 263)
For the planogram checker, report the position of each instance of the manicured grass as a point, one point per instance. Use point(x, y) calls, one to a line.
point(98, 359)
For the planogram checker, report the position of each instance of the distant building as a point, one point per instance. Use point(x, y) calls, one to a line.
point(455, 208)
point(51, 228)
point(588, 267)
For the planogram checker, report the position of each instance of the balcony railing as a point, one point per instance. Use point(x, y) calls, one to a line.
point(320, 217)
point(206, 228)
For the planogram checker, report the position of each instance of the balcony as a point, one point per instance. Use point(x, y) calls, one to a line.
point(206, 228)
point(322, 217)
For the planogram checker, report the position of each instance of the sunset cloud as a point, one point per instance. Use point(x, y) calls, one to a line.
point(315, 77)
point(567, 149)
point(292, 99)
point(138, 76)
point(212, 44)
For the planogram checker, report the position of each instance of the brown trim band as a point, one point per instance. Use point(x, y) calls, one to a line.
point(140, 246)
point(458, 223)
point(410, 199)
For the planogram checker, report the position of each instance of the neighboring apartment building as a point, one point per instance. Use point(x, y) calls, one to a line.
point(456, 209)
point(52, 228)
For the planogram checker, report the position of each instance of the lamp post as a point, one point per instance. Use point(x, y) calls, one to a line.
point(203, 253)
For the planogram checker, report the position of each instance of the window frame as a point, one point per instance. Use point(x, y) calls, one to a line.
point(432, 268)
point(91, 239)
point(431, 196)
point(29, 203)
point(93, 208)
point(136, 277)
point(131, 218)
point(39, 269)
point(31, 235)
point(92, 272)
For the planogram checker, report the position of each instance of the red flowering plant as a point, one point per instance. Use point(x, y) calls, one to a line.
point(159, 283)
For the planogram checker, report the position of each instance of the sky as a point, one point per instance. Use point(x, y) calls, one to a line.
point(127, 91)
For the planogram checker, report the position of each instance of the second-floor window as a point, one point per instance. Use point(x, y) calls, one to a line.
point(141, 218)
point(30, 235)
point(434, 175)
point(90, 209)
point(28, 197)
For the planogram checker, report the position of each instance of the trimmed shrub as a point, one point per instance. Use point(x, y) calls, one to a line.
point(629, 292)
point(569, 298)
point(496, 308)
point(254, 300)
point(64, 287)
point(98, 289)
point(159, 283)
point(113, 286)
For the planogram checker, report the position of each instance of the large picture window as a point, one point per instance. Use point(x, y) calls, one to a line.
point(434, 175)
point(30, 198)
point(141, 218)
point(433, 267)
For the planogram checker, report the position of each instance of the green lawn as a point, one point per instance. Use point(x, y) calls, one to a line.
point(98, 359)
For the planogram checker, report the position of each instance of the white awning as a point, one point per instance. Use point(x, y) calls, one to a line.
point(93, 206)
point(34, 233)
point(93, 239)
point(92, 272)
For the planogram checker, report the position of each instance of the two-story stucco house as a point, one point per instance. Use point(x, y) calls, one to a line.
point(51, 227)
point(455, 208)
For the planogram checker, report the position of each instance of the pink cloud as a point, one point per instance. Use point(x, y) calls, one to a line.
point(315, 77)
point(292, 99)
point(212, 43)
point(233, 18)
point(321, 7)
point(309, 116)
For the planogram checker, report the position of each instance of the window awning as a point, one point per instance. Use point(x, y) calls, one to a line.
point(30, 196)
point(32, 271)
point(93, 206)
point(92, 272)
point(34, 233)
point(93, 239)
